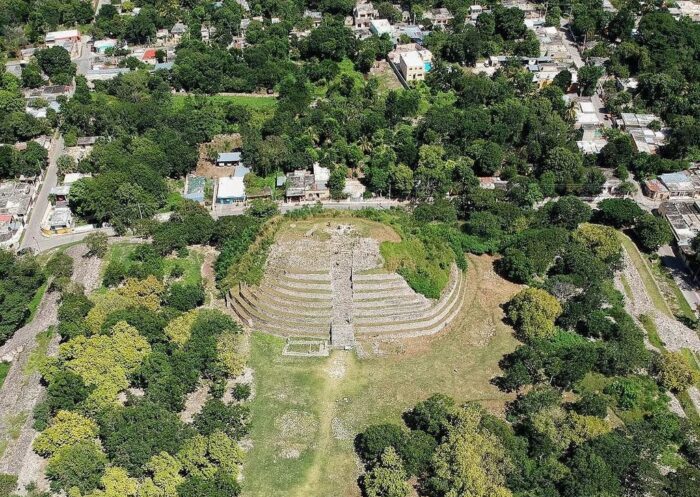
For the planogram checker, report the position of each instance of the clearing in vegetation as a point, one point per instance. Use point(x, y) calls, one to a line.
point(344, 279)
point(307, 411)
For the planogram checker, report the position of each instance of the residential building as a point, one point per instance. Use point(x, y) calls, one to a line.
point(685, 8)
point(380, 27)
point(630, 120)
point(363, 13)
point(315, 16)
point(227, 159)
point(54, 38)
point(230, 190)
point(683, 184)
point(105, 74)
point(414, 65)
point(439, 18)
point(16, 199)
point(101, 46)
point(655, 190)
point(60, 221)
point(646, 140)
point(178, 30)
point(492, 183)
point(303, 185)
point(684, 219)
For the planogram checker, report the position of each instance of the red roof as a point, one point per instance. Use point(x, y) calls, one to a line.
point(149, 54)
point(5, 218)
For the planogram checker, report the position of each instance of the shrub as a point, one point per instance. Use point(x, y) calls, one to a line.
point(60, 265)
point(184, 297)
point(592, 404)
point(8, 483)
point(217, 416)
point(241, 391)
point(533, 311)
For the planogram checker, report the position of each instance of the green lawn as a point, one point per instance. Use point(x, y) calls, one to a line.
point(307, 411)
point(36, 300)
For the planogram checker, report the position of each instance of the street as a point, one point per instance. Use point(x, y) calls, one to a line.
point(681, 276)
point(32, 232)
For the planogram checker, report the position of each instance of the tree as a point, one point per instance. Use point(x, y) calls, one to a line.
point(66, 428)
point(567, 212)
point(56, 64)
point(31, 75)
point(618, 212)
point(215, 416)
point(431, 415)
point(336, 183)
point(470, 462)
point(602, 241)
point(588, 77)
point(97, 244)
point(387, 478)
point(533, 312)
point(651, 232)
point(184, 297)
point(674, 372)
point(78, 465)
point(371, 443)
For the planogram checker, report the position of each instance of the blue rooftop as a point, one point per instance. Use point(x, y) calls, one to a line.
point(229, 157)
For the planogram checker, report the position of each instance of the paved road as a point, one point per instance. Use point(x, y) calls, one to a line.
point(681, 276)
point(32, 234)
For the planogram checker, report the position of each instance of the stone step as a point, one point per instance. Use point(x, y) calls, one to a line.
point(323, 277)
point(258, 315)
point(377, 277)
point(381, 295)
point(286, 308)
point(295, 296)
point(429, 321)
point(371, 286)
point(303, 286)
point(392, 302)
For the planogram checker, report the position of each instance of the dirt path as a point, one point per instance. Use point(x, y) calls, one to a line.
point(22, 389)
point(336, 370)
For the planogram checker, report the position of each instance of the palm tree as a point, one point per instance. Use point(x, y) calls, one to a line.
point(365, 144)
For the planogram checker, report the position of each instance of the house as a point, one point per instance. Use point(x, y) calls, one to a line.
point(439, 18)
point(586, 115)
point(303, 185)
point(630, 120)
point(475, 11)
point(71, 178)
point(315, 16)
point(684, 184)
point(415, 65)
point(413, 32)
point(149, 56)
point(105, 74)
point(101, 46)
point(655, 190)
point(240, 171)
point(178, 30)
point(492, 183)
point(646, 140)
point(363, 13)
point(60, 194)
point(86, 141)
point(16, 199)
point(380, 27)
point(684, 219)
point(60, 221)
point(225, 159)
point(54, 38)
point(685, 8)
point(194, 188)
point(593, 146)
point(230, 190)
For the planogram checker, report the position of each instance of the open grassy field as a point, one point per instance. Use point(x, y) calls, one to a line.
point(191, 264)
point(307, 411)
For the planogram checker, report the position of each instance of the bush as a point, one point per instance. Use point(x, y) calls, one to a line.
point(185, 297)
point(114, 274)
point(592, 404)
point(60, 265)
point(241, 391)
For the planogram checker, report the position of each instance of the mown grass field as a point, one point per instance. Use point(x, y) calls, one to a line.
point(307, 411)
